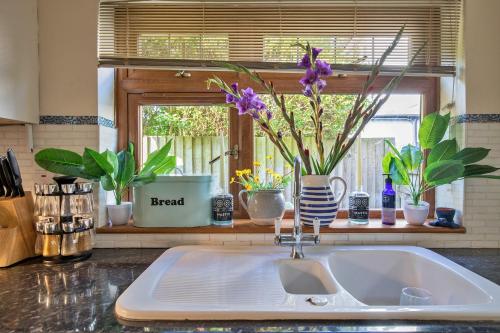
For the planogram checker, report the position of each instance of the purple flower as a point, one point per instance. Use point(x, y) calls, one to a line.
point(323, 68)
point(305, 62)
point(310, 78)
point(255, 114)
point(269, 114)
point(249, 101)
point(230, 98)
point(307, 91)
point(321, 84)
point(315, 52)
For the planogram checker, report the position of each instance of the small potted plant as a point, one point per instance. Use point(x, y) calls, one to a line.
point(265, 199)
point(435, 162)
point(115, 171)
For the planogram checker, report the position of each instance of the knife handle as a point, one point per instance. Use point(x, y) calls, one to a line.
point(16, 172)
point(2, 190)
point(21, 191)
point(9, 176)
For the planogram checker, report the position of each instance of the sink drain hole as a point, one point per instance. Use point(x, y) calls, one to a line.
point(317, 301)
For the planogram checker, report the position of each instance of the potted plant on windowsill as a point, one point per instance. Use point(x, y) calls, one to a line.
point(318, 162)
point(265, 201)
point(444, 164)
point(115, 171)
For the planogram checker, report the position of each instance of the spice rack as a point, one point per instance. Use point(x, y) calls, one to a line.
point(64, 221)
point(17, 235)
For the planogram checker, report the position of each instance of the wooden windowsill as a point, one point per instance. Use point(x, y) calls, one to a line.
point(246, 226)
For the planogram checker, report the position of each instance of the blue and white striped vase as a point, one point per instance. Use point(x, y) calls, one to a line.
point(318, 200)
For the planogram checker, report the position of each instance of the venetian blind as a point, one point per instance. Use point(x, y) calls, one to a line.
point(261, 34)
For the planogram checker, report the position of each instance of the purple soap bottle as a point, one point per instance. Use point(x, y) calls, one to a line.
point(388, 203)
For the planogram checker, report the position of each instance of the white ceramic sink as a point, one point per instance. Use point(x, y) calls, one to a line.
point(261, 283)
point(376, 277)
point(306, 277)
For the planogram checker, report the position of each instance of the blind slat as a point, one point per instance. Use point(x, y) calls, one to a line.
point(351, 32)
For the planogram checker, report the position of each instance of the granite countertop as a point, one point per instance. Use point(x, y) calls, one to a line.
point(81, 296)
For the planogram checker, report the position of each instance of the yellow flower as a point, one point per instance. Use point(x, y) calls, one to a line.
point(257, 179)
point(278, 177)
point(269, 157)
point(232, 180)
point(257, 163)
point(239, 173)
point(269, 171)
point(247, 172)
point(248, 187)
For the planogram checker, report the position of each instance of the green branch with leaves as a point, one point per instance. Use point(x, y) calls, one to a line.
point(115, 171)
point(444, 164)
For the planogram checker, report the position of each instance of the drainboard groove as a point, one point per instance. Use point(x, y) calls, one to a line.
point(224, 281)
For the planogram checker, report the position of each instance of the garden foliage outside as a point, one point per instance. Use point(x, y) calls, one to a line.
point(196, 120)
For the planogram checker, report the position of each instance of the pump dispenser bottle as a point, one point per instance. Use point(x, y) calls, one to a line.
point(388, 203)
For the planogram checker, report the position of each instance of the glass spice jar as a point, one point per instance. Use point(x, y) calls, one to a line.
point(70, 239)
point(39, 227)
point(51, 240)
point(85, 236)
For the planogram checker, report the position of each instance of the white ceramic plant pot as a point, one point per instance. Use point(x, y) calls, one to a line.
point(120, 214)
point(416, 215)
point(264, 206)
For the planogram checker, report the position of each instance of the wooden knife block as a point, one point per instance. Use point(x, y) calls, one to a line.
point(17, 231)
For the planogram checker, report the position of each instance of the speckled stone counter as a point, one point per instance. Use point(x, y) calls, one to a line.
point(81, 296)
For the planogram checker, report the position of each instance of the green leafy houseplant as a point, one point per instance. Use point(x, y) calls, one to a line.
point(436, 162)
point(115, 171)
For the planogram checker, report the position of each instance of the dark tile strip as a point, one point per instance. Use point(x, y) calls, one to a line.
point(477, 118)
point(76, 120)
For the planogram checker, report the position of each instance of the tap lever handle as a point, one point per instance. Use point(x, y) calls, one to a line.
point(277, 227)
point(316, 225)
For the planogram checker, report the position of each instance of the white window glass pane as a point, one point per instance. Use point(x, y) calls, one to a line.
point(338, 50)
point(184, 46)
point(199, 133)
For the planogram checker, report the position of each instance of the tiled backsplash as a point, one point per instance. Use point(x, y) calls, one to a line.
point(170, 240)
point(57, 135)
point(73, 137)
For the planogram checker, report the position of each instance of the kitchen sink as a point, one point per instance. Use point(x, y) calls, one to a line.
point(306, 277)
point(376, 277)
point(262, 283)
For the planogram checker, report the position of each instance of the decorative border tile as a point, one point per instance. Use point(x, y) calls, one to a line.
point(477, 118)
point(101, 121)
point(76, 120)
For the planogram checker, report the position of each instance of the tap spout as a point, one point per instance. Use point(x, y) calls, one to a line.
point(297, 169)
point(297, 193)
point(297, 239)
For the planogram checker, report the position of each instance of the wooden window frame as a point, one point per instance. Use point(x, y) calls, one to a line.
point(136, 87)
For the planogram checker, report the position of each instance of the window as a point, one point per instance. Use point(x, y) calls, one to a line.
point(396, 121)
point(199, 135)
point(142, 93)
